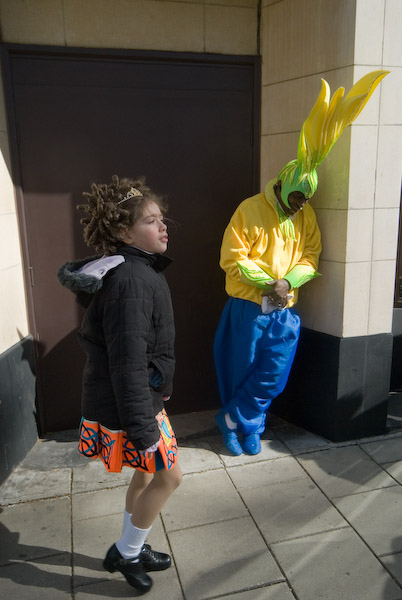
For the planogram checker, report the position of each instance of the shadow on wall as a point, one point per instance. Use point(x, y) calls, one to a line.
point(60, 377)
point(18, 410)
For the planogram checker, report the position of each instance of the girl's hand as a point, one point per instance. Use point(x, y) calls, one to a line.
point(165, 398)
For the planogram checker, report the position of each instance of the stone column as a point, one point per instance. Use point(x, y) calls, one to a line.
point(340, 381)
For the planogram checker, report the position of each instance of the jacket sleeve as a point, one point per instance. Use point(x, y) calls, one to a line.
point(306, 268)
point(236, 245)
point(127, 322)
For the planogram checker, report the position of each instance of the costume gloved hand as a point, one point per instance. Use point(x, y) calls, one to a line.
point(278, 292)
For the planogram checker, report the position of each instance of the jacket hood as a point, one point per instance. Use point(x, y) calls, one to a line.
point(85, 277)
point(74, 277)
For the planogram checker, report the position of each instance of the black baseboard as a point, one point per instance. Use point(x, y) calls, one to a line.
point(18, 428)
point(338, 387)
point(396, 371)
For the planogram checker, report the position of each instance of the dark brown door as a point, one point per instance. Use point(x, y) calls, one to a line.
point(186, 122)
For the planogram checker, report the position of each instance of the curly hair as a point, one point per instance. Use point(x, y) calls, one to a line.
point(109, 216)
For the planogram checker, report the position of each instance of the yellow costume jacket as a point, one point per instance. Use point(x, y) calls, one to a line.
point(261, 244)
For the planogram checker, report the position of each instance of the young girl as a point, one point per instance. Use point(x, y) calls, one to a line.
point(128, 336)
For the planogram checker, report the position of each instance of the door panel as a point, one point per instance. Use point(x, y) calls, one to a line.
point(189, 125)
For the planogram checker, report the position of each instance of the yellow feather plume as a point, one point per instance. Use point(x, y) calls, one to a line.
point(328, 118)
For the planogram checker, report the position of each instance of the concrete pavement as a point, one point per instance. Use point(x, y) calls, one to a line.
point(305, 519)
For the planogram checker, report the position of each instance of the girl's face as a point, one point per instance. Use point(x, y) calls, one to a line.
point(149, 233)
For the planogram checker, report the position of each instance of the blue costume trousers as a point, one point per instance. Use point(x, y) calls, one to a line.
point(253, 357)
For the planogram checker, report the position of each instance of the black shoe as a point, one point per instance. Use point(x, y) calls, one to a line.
point(132, 569)
point(154, 561)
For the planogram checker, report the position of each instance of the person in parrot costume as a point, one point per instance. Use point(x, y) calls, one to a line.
point(271, 248)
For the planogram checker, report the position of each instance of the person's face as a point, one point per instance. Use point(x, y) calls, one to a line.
point(296, 202)
point(149, 232)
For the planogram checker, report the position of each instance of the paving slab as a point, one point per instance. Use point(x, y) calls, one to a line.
point(292, 509)
point(300, 440)
point(394, 469)
point(93, 538)
point(376, 516)
point(103, 590)
point(222, 558)
point(193, 425)
point(93, 476)
point(166, 586)
point(259, 474)
point(35, 529)
point(44, 579)
point(278, 591)
point(196, 456)
point(393, 562)
point(384, 451)
point(335, 565)
point(343, 471)
point(29, 484)
point(202, 498)
point(99, 503)
point(55, 451)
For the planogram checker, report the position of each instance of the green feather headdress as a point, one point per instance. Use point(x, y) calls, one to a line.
point(322, 129)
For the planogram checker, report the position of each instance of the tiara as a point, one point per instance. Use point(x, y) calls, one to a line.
point(130, 194)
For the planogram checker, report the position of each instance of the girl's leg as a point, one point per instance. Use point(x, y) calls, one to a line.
point(146, 496)
point(150, 502)
point(138, 484)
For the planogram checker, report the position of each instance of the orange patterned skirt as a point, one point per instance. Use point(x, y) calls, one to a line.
point(116, 451)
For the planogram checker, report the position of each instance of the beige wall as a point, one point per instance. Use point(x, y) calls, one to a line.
point(214, 26)
point(357, 202)
point(13, 320)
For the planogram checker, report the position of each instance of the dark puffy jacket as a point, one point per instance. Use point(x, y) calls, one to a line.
point(128, 336)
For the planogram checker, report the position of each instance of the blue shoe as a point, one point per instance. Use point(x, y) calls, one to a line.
point(252, 443)
point(229, 436)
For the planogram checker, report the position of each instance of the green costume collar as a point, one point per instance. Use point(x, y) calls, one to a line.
point(285, 222)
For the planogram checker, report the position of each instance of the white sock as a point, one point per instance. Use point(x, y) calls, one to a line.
point(126, 521)
point(229, 423)
point(132, 540)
